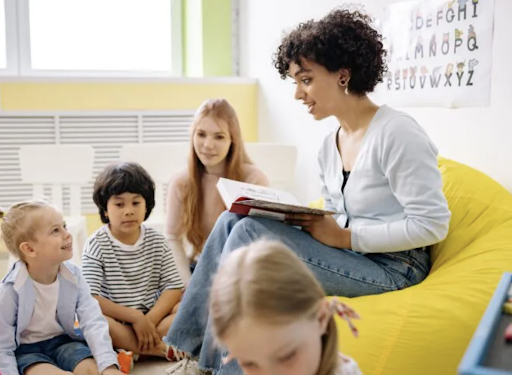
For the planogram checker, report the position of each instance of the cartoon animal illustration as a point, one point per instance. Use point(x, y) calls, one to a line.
point(471, 64)
point(397, 73)
point(449, 69)
point(475, 1)
point(462, 3)
point(405, 72)
point(413, 70)
point(424, 70)
point(446, 37)
point(471, 32)
point(436, 70)
point(460, 66)
point(458, 33)
point(450, 3)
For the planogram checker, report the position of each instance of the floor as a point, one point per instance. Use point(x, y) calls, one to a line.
point(151, 367)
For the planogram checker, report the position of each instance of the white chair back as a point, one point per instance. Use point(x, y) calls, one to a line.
point(57, 165)
point(161, 161)
point(277, 161)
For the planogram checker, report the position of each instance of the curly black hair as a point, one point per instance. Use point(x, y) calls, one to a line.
point(343, 39)
point(120, 178)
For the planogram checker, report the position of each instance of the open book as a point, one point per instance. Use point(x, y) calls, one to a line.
point(248, 199)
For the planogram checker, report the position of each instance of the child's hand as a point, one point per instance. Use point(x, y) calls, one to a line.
point(147, 335)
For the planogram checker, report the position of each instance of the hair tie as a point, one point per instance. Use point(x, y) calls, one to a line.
point(346, 313)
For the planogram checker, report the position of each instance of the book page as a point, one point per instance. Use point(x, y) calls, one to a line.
point(267, 214)
point(232, 191)
point(255, 192)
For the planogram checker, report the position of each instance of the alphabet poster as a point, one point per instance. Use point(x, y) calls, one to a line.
point(439, 52)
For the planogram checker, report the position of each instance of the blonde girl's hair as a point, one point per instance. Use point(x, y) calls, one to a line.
point(268, 282)
point(19, 224)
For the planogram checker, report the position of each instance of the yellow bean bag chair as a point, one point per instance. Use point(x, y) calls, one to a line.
point(425, 329)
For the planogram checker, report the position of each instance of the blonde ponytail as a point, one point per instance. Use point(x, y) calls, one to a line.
point(18, 224)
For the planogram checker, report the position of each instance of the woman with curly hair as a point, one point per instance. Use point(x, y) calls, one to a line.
point(378, 171)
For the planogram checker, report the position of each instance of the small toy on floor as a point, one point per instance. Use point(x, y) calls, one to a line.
point(507, 307)
point(125, 360)
point(174, 355)
point(508, 333)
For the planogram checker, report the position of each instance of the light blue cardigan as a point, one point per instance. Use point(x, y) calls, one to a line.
point(17, 301)
point(393, 199)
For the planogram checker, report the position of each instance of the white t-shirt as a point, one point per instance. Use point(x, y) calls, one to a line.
point(347, 366)
point(43, 323)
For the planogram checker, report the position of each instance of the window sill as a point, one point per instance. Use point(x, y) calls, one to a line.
point(175, 80)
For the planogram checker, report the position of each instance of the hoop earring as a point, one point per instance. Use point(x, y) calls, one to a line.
point(344, 83)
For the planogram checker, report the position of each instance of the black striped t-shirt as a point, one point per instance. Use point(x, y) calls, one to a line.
point(133, 276)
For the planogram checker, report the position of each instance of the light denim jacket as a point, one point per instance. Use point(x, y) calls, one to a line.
point(17, 301)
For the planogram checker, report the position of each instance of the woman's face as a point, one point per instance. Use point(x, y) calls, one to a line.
point(318, 88)
point(211, 143)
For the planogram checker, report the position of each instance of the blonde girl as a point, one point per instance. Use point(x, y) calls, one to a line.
point(271, 314)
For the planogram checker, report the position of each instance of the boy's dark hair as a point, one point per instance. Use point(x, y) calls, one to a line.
point(343, 39)
point(119, 178)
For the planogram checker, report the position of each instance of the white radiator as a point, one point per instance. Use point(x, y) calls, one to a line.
point(107, 132)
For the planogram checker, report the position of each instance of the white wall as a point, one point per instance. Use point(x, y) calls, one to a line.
point(480, 137)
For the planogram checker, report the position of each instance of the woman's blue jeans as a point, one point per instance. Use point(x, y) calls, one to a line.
point(341, 273)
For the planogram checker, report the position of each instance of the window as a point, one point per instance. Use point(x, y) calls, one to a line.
point(102, 38)
point(8, 38)
point(3, 37)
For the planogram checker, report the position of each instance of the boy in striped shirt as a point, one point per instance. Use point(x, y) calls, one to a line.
point(129, 266)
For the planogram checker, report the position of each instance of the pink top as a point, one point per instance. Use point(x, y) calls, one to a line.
point(213, 205)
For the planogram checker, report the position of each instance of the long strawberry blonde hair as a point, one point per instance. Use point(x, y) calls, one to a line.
point(266, 281)
point(221, 111)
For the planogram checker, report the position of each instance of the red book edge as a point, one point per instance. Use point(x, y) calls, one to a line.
point(242, 209)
